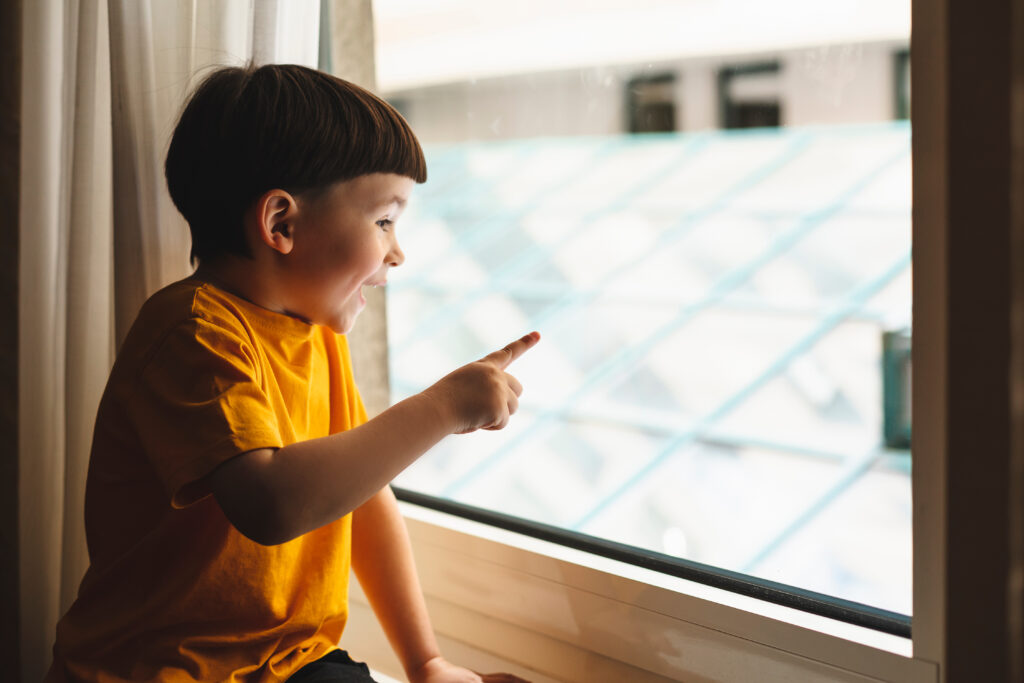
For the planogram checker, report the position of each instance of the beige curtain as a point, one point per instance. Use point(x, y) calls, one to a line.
point(102, 84)
point(65, 293)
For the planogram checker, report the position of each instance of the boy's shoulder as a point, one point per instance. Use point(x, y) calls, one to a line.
point(184, 306)
point(214, 318)
point(192, 299)
point(180, 303)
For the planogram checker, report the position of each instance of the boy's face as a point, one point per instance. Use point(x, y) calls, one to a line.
point(344, 241)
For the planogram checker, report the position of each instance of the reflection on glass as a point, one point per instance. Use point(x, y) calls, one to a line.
point(712, 245)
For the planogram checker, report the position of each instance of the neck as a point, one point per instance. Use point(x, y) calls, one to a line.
point(242, 277)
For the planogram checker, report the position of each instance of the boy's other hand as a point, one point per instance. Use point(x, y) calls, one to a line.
point(481, 395)
point(439, 670)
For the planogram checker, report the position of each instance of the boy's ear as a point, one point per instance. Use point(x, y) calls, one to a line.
point(276, 211)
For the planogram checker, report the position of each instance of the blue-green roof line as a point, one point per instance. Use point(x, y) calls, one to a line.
point(533, 256)
point(627, 358)
point(849, 475)
point(841, 312)
point(499, 219)
point(453, 191)
point(796, 145)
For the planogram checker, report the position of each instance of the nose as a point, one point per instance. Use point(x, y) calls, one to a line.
point(395, 255)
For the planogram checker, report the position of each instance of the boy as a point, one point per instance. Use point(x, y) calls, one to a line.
point(233, 466)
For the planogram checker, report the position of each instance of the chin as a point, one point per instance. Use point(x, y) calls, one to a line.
point(339, 328)
point(343, 318)
point(342, 325)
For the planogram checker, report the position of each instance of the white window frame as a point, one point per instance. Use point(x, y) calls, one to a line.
point(551, 613)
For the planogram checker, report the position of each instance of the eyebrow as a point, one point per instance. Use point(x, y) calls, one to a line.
point(393, 200)
point(387, 203)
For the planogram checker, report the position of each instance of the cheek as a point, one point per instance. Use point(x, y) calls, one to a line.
point(339, 262)
point(371, 253)
point(343, 265)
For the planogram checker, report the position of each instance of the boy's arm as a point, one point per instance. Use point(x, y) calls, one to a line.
point(334, 475)
point(382, 560)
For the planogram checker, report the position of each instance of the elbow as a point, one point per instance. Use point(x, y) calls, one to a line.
point(254, 504)
point(268, 520)
point(271, 504)
point(267, 530)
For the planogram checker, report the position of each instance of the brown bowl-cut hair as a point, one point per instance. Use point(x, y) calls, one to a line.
point(246, 130)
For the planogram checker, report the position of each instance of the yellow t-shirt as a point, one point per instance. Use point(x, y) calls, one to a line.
point(174, 592)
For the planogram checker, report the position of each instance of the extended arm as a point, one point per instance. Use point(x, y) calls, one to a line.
point(334, 475)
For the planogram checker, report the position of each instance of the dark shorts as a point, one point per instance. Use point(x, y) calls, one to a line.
point(334, 667)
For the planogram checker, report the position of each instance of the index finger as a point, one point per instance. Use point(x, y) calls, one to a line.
point(504, 356)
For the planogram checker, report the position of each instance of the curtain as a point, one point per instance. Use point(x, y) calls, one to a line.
point(64, 284)
point(103, 82)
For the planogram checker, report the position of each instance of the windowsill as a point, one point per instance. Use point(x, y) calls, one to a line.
point(656, 580)
point(656, 623)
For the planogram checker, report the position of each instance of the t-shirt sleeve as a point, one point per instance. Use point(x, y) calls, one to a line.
point(198, 402)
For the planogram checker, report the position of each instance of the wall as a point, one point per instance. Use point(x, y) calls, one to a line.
point(819, 85)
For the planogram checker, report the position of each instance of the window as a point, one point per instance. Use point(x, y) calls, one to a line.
point(651, 104)
point(748, 96)
point(901, 64)
point(713, 302)
point(896, 382)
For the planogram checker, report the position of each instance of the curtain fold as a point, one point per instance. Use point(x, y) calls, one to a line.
point(89, 340)
point(103, 82)
point(41, 309)
point(148, 248)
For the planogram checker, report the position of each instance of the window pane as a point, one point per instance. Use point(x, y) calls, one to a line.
point(714, 248)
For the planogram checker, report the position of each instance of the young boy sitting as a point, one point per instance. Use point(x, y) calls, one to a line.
point(234, 477)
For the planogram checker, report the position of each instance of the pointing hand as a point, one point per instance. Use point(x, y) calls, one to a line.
point(481, 395)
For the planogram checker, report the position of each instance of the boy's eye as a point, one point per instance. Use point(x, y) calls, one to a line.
point(385, 223)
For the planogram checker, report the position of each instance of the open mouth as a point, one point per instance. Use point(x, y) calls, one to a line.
point(362, 290)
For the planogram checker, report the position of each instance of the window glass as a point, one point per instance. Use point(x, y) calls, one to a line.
point(704, 208)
